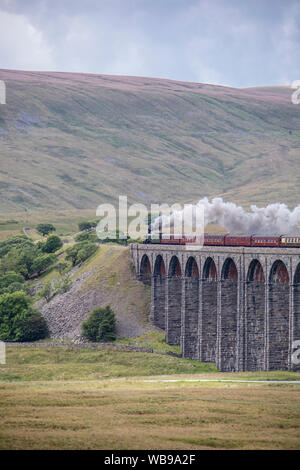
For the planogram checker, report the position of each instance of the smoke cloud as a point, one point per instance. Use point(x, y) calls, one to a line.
point(274, 219)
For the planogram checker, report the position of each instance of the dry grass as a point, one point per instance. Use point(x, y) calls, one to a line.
point(91, 399)
point(110, 415)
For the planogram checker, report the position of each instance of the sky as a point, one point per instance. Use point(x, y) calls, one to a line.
point(238, 43)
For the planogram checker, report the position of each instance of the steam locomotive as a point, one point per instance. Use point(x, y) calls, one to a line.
point(224, 240)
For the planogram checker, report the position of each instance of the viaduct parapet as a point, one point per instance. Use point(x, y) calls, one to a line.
point(236, 306)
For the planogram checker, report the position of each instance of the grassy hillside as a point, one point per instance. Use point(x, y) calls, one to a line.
point(107, 278)
point(73, 141)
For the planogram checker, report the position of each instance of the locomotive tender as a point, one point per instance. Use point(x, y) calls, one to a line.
point(225, 240)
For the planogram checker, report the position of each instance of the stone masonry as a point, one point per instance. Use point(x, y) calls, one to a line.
point(236, 306)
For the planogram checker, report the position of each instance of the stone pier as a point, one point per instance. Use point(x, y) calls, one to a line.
point(236, 306)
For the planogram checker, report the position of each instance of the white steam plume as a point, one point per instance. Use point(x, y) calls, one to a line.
point(274, 219)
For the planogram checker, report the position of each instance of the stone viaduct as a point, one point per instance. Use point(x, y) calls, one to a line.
point(236, 306)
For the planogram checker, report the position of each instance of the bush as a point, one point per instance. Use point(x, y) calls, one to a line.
point(25, 259)
point(20, 259)
point(52, 244)
point(34, 327)
point(45, 292)
point(6, 280)
point(16, 316)
point(17, 286)
point(80, 252)
point(116, 236)
point(87, 236)
point(63, 284)
point(62, 266)
point(86, 225)
point(42, 263)
point(100, 325)
point(45, 229)
point(13, 241)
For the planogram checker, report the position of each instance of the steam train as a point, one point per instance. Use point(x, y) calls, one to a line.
point(224, 240)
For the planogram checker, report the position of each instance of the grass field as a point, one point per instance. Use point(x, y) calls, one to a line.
point(74, 398)
point(66, 222)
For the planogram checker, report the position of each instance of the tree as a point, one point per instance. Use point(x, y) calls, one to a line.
point(80, 252)
point(71, 253)
point(45, 291)
point(85, 252)
point(63, 284)
point(9, 279)
point(61, 266)
point(17, 317)
point(87, 236)
point(100, 325)
point(53, 243)
point(17, 286)
point(20, 259)
point(87, 224)
point(45, 229)
point(42, 263)
point(33, 327)
point(12, 242)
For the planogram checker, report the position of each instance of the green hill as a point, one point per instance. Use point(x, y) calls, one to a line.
point(73, 141)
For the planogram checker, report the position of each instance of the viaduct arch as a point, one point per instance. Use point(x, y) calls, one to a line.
point(238, 307)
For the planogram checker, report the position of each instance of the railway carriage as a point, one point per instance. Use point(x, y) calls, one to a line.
point(287, 240)
point(226, 240)
point(238, 240)
point(263, 240)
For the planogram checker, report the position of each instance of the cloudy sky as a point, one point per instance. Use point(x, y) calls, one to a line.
point(237, 43)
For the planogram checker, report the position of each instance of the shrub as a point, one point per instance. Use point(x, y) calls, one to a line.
point(16, 316)
point(81, 237)
point(45, 229)
point(13, 241)
point(80, 252)
point(61, 266)
point(6, 280)
point(86, 225)
point(17, 286)
point(85, 252)
point(25, 259)
point(33, 327)
point(52, 244)
point(42, 263)
point(116, 236)
point(63, 284)
point(100, 325)
point(87, 236)
point(20, 260)
point(45, 291)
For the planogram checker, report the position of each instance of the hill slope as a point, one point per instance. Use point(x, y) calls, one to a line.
point(107, 278)
point(73, 141)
